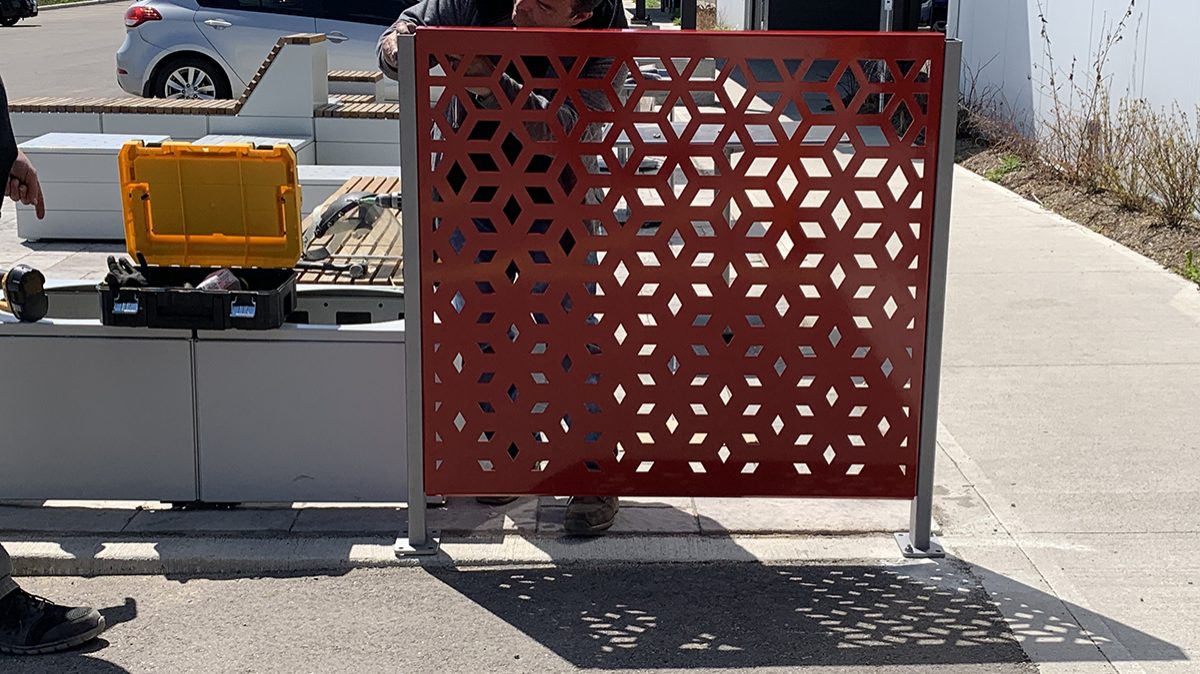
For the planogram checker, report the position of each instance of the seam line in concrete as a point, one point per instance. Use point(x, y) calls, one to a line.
point(129, 520)
point(943, 430)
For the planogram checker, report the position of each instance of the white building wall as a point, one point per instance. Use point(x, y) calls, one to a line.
point(1004, 49)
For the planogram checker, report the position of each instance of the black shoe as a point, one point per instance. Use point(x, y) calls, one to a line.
point(591, 515)
point(496, 500)
point(30, 625)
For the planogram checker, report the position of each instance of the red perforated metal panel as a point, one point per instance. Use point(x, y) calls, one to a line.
point(734, 303)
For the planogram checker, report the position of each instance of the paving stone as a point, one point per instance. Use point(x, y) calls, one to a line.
point(761, 515)
point(349, 520)
point(242, 520)
point(72, 519)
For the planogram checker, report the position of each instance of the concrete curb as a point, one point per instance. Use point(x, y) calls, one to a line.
point(82, 3)
point(93, 556)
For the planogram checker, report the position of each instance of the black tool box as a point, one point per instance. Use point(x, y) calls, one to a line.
point(192, 210)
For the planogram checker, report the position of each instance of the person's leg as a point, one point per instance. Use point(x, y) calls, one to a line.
point(30, 625)
point(591, 515)
point(7, 584)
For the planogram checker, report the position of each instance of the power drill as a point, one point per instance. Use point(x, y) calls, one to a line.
point(23, 293)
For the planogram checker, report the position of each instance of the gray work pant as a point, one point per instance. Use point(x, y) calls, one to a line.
point(6, 582)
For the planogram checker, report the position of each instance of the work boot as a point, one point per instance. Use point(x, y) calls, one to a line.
point(30, 625)
point(590, 515)
point(496, 500)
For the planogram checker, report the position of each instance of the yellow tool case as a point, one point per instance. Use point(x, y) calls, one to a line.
point(192, 210)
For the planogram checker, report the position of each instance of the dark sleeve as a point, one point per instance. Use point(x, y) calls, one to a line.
point(8, 145)
point(428, 13)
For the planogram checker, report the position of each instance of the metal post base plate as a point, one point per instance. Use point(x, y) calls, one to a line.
point(907, 549)
point(405, 548)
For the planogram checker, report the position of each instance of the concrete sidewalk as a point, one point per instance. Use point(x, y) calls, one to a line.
point(1066, 472)
point(1068, 402)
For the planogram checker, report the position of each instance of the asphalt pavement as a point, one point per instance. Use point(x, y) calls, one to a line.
point(927, 617)
point(64, 52)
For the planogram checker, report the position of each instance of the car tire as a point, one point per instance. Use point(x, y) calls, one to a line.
point(9, 21)
point(190, 77)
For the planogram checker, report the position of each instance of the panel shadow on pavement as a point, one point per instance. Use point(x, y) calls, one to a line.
point(78, 661)
point(753, 615)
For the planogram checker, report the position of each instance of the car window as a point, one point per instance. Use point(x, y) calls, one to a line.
point(300, 7)
point(379, 12)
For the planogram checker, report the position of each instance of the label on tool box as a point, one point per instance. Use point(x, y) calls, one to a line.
point(243, 310)
point(126, 308)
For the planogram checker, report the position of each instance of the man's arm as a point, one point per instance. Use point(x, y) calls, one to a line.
point(8, 145)
point(596, 69)
point(424, 13)
point(20, 179)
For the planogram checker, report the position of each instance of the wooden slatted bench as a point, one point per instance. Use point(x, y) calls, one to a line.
point(352, 98)
point(355, 76)
point(367, 82)
point(350, 110)
point(384, 238)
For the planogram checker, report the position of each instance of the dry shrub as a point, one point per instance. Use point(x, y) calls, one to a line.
point(985, 117)
point(707, 18)
point(1123, 170)
point(1172, 165)
point(1074, 135)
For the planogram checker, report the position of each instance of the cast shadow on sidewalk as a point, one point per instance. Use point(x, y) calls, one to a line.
point(677, 616)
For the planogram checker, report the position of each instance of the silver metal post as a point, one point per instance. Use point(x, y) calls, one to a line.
point(887, 11)
point(919, 542)
point(417, 540)
point(953, 15)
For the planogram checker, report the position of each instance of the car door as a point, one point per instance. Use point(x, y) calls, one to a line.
point(353, 28)
point(244, 31)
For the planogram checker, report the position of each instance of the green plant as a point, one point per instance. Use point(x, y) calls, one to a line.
point(1008, 164)
point(1190, 270)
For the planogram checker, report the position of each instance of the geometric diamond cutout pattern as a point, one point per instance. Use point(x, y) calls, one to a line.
point(728, 300)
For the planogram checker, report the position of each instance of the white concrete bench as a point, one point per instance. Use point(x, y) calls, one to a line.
point(82, 184)
point(306, 152)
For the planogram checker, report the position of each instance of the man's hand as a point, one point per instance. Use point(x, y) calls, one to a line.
point(23, 185)
point(479, 67)
point(389, 46)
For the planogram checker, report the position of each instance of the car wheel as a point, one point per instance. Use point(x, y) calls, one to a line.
point(9, 21)
point(191, 77)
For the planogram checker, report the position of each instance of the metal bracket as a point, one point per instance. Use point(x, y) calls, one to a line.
point(935, 550)
point(405, 548)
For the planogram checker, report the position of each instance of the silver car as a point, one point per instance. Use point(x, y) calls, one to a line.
point(212, 48)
